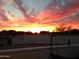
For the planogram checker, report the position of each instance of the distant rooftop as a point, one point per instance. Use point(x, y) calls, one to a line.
point(11, 32)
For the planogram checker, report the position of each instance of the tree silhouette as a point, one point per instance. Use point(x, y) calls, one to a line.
point(64, 27)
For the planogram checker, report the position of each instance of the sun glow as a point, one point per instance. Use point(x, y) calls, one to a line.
point(34, 28)
point(37, 28)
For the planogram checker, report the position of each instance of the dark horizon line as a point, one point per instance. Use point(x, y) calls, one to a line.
point(74, 31)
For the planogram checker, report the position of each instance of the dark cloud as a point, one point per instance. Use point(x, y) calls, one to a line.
point(3, 17)
point(21, 7)
point(64, 8)
point(57, 4)
point(1, 2)
point(62, 3)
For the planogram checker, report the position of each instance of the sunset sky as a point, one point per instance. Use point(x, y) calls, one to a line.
point(45, 15)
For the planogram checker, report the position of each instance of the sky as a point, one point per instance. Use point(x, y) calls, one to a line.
point(25, 14)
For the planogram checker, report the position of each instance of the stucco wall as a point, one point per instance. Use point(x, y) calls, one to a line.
point(45, 38)
point(21, 39)
point(63, 39)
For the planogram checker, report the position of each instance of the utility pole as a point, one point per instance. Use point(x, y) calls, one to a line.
point(51, 48)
